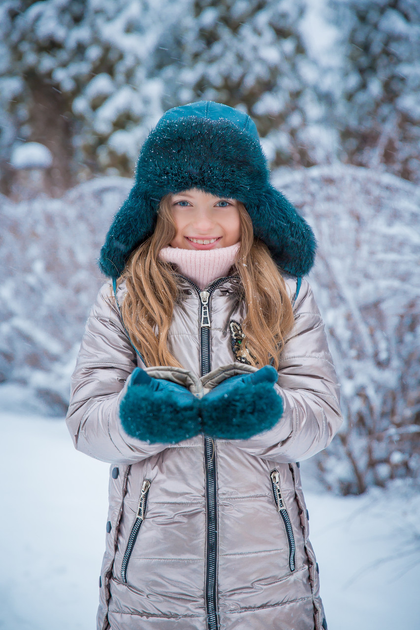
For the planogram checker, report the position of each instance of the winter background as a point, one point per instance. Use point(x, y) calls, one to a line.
point(333, 86)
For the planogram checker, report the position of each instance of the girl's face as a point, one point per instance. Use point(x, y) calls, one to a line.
point(203, 221)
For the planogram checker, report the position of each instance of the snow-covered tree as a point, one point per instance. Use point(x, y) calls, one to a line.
point(73, 74)
point(380, 119)
point(251, 55)
point(83, 81)
point(89, 79)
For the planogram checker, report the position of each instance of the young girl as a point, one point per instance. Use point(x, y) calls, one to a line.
point(203, 377)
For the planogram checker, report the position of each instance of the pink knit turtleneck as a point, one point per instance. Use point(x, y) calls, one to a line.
point(201, 266)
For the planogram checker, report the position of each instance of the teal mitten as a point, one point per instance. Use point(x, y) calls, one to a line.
point(155, 410)
point(242, 406)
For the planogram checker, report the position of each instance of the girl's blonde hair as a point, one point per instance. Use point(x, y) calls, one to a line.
point(152, 290)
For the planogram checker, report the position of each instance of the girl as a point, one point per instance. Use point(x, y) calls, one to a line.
point(203, 377)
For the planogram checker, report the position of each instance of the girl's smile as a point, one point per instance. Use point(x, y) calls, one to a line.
point(203, 243)
point(204, 221)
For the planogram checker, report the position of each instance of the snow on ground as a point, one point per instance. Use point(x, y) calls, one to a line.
point(53, 531)
point(54, 500)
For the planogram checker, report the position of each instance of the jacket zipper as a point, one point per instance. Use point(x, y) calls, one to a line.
point(140, 516)
point(210, 462)
point(281, 508)
point(205, 332)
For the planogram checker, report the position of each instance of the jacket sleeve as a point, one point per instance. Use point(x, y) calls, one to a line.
point(105, 362)
point(309, 389)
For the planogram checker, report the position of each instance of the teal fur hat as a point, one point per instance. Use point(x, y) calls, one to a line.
point(214, 148)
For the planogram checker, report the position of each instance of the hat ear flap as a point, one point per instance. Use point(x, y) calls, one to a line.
point(132, 224)
point(287, 235)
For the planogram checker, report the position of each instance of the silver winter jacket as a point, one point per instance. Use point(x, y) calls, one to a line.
point(203, 534)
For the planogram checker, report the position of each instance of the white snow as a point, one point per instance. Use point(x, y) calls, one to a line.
point(319, 32)
point(101, 85)
point(31, 155)
point(54, 508)
point(125, 100)
point(369, 556)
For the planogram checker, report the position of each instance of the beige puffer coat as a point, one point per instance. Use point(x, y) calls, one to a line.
point(203, 534)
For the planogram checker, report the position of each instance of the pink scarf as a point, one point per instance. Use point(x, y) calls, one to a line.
point(202, 266)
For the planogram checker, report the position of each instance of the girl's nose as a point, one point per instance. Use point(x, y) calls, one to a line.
point(202, 221)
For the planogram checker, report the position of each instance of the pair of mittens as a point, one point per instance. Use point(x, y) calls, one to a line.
point(155, 410)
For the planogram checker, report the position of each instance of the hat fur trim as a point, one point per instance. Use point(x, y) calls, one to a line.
point(218, 157)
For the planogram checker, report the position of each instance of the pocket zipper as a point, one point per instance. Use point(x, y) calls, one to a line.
point(140, 516)
point(281, 508)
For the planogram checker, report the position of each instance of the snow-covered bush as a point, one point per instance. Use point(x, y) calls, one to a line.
point(380, 108)
point(50, 280)
point(366, 282)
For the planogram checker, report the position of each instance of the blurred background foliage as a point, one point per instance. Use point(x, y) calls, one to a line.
point(324, 81)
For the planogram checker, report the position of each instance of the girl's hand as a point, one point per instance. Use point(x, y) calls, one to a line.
point(242, 406)
point(155, 410)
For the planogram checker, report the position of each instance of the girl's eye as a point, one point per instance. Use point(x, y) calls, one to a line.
point(183, 204)
point(223, 203)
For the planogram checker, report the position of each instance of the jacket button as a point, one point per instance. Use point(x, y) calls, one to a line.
point(100, 582)
point(115, 472)
point(108, 527)
point(307, 514)
point(317, 567)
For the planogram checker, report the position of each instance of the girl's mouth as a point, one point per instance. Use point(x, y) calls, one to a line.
point(203, 243)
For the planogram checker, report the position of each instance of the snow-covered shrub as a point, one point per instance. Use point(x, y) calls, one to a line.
point(31, 162)
point(367, 283)
point(380, 111)
point(50, 280)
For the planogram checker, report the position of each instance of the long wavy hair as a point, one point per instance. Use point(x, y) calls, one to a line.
point(153, 289)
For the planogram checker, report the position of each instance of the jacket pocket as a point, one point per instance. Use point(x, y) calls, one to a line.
point(281, 508)
point(140, 516)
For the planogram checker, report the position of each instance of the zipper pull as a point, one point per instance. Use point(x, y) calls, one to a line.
point(275, 480)
point(143, 496)
point(205, 315)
